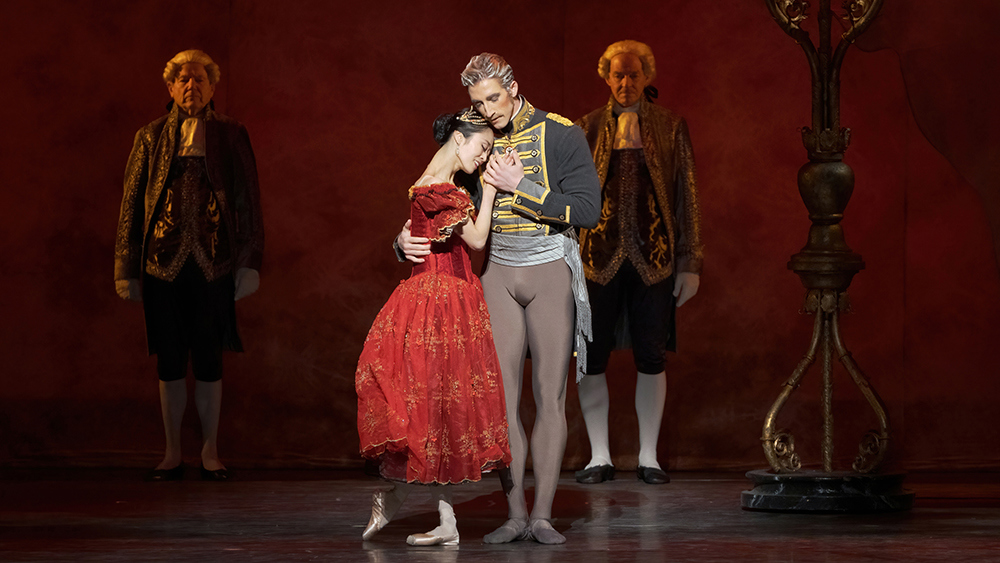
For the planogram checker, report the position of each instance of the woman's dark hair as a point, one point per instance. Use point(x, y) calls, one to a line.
point(467, 121)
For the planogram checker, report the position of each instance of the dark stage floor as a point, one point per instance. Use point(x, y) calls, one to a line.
point(93, 515)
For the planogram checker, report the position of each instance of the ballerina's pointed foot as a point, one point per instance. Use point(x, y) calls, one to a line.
point(384, 507)
point(511, 530)
point(543, 532)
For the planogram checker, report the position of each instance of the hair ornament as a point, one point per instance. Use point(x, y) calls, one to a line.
point(470, 115)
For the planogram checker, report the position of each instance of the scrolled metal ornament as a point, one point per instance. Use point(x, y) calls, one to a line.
point(780, 452)
point(854, 10)
point(789, 15)
point(871, 452)
point(860, 13)
point(796, 11)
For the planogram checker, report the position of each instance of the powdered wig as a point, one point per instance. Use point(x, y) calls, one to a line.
point(191, 56)
point(485, 66)
point(638, 49)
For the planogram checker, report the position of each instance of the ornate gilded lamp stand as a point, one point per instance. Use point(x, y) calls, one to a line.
point(826, 266)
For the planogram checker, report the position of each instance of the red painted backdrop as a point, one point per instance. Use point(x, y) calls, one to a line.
point(339, 102)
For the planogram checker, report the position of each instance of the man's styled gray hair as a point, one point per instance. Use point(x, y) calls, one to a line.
point(485, 66)
point(191, 56)
point(638, 49)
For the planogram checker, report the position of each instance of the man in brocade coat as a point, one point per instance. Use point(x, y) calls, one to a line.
point(190, 242)
point(644, 257)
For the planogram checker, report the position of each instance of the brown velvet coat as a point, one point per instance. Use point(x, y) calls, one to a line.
point(670, 159)
point(232, 174)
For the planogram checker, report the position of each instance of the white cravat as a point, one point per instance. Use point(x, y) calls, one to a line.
point(627, 136)
point(192, 142)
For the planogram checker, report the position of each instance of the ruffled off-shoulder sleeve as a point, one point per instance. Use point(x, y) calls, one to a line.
point(446, 206)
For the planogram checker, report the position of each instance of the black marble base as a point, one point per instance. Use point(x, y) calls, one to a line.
point(816, 491)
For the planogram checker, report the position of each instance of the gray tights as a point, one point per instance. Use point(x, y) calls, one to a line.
point(532, 306)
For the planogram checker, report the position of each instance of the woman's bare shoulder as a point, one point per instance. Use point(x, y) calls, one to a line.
point(429, 180)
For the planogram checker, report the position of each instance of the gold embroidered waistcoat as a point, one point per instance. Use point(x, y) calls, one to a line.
point(660, 231)
point(231, 172)
point(189, 225)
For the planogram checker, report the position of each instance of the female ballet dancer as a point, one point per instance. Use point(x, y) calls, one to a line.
point(430, 396)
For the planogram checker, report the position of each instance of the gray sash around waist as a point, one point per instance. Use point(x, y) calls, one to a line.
point(518, 251)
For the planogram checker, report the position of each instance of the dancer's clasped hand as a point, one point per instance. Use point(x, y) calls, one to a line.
point(504, 170)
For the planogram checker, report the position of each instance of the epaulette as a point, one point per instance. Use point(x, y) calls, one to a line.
point(559, 119)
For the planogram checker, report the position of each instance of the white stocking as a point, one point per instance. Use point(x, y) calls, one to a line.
point(594, 402)
point(650, 394)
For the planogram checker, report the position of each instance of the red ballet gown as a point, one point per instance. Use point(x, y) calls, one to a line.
point(430, 397)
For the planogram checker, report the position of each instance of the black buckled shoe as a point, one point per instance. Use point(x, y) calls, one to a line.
point(159, 475)
point(652, 475)
point(217, 475)
point(595, 474)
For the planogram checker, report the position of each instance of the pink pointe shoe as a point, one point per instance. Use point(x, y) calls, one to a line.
point(432, 539)
point(384, 507)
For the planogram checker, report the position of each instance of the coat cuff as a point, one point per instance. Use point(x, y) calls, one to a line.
point(125, 270)
point(529, 200)
point(688, 263)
